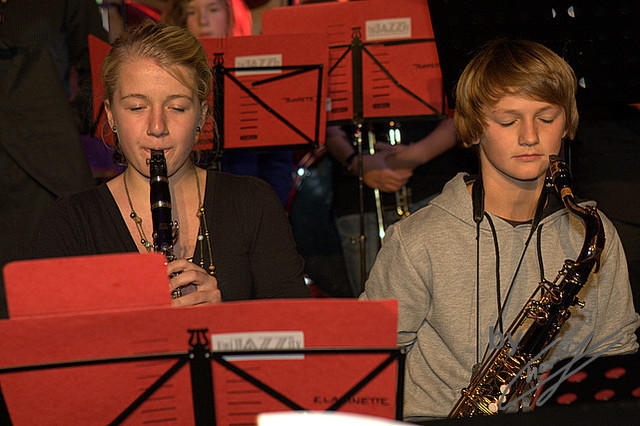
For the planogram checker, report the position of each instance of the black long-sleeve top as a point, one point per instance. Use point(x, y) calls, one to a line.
point(253, 248)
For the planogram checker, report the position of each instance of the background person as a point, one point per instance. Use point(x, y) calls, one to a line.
point(423, 165)
point(226, 18)
point(45, 92)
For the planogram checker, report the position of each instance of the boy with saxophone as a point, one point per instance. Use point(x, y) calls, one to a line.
point(463, 267)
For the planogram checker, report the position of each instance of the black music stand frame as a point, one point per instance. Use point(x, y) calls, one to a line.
point(200, 359)
point(220, 72)
point(357, 48)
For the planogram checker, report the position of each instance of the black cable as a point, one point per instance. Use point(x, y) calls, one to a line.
point(477, 198)
point(542, 201)
point(540, 264)
point(497, 251)
point(537, 217)
point(477, 293)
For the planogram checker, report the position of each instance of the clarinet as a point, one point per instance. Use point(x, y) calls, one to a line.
point(165, 230)
point(160, 198)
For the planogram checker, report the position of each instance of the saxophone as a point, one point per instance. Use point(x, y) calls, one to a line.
point(503, 376)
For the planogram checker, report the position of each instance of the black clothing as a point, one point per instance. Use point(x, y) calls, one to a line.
point(41, 154)
point(253, 250)
point(60, 27)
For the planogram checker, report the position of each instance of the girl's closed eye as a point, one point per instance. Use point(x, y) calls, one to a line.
point(179, 107)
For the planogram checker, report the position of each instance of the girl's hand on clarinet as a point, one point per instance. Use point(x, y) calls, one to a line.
point(184, 276)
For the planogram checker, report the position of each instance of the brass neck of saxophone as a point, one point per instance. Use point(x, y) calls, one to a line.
point(594, 230)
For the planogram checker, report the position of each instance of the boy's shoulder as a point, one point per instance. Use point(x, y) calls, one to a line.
point(454, 201)
point(450, 208)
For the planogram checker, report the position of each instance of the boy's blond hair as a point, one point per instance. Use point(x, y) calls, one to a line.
point(512, 67)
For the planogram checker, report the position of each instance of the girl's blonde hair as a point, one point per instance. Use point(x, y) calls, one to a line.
point(169, 46)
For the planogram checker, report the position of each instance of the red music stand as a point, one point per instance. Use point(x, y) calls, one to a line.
point(383, 64)
point(276, 99)
point(383, 60)
point(117, 363)
point(130, 364)
point(269, 90)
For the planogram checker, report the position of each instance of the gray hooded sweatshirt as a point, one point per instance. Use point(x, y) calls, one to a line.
point(428, 264)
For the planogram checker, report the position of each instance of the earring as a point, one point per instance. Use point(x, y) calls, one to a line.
point(118, 156)
point(198, 129)
point(114, 129)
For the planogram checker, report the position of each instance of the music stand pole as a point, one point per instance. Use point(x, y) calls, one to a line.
point(218, 109)
point(358, 120)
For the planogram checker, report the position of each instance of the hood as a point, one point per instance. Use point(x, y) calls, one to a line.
point(455, 200)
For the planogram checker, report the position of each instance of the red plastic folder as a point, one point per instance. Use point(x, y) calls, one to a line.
point(400, 68)
point(281, 99)
point(97, 394)
point(86, 283)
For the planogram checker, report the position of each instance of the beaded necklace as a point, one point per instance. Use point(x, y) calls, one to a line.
point(204, 241)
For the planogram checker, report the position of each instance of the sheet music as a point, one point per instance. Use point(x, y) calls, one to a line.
point(414, 65)
point(290, 111)
point(260, 111)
